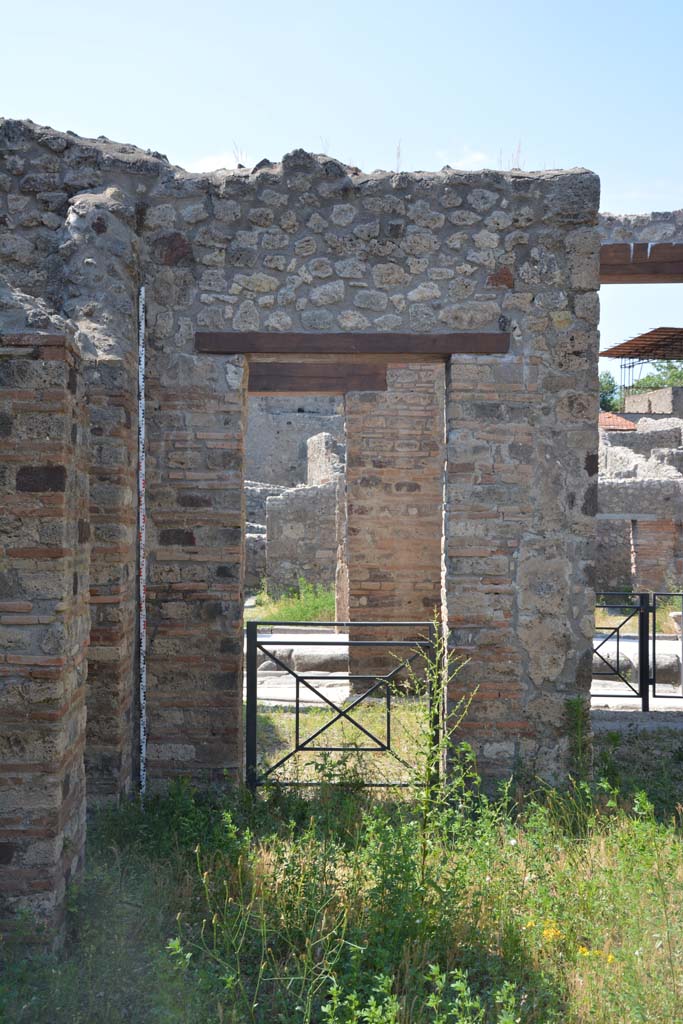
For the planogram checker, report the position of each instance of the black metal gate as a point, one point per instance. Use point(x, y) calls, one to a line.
point(632, 622)
point(260, 641)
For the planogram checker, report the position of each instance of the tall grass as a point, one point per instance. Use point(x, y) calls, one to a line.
point(307, 602)
point(336, 905)
point(343, 908)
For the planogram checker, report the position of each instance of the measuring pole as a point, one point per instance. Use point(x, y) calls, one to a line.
point(142, 546)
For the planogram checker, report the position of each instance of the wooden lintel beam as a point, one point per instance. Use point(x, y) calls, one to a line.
point(281, 377)
point(641, 263)
point(294, 343)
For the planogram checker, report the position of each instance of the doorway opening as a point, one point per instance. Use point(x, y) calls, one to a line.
point(344, 525)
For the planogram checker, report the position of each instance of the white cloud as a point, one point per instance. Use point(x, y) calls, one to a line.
point(217, 161)
point(468, 160)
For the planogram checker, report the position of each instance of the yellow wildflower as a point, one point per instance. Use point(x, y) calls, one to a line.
point(530, 924)
point(584, 951)
point(551, 933)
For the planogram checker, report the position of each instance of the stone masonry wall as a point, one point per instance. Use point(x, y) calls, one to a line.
point(522, 473)
point(314, 246)
point(44, 621)
point(257, 495)
point(656, 550)
point(640, 531)
point(663, 401)
point(279, 427)
point(197, 416)
point(613, 555)
point(111, 747)
point(642, 227)
point(301, 538)
point(326, 459)
point(100, 288)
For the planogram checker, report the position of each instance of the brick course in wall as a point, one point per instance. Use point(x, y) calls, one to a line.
point(394, 485)
point(656, 555)
point(195, 515)
point(112, 658)
point(44, 625)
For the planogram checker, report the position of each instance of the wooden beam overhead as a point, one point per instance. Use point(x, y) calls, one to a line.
point(294, 343)
point(280, 377)
point(641, 263)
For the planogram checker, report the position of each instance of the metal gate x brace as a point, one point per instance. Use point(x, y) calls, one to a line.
point(422, 645)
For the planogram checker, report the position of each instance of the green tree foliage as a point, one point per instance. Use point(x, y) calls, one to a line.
point(609, 393)
point(668, 373)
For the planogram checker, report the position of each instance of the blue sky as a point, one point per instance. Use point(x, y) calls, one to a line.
point(383, 83)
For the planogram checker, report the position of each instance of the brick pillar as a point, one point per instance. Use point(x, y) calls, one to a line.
point(395, 475)
point(44, 625)
point(653, 563)
point(196, 418)
point(520, 526)
point(341, 580)
point(112, 658)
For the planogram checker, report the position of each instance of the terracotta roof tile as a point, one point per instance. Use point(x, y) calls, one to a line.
point(612, 421)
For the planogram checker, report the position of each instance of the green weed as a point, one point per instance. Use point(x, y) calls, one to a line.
point(344, 905)
point(307, 602)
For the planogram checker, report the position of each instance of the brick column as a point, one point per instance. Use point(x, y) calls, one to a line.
point(395, 475)
point(653, 565)
point(196, 418)
point(112, 658)
point(44, 625)
point(521, 497)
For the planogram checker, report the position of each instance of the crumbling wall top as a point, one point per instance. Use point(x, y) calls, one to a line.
point(641, 227)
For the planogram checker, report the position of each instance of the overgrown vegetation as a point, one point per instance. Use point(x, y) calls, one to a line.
point(308, 602)
point(276, 732)
point(609, 392)
point(339, 905)
point(667, 373)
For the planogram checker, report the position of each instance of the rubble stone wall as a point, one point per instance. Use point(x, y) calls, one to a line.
point(642, 227)
point(521, 479)
point(613, 569)
point(257, 495)
point(301, 537)
point(326, 458)
point(640, 532)
point(314, 246)
point(278, 430)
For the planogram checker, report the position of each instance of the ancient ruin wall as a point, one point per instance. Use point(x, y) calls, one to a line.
point(278, 430)
point(301, 538)
point(642, 227)
point(67, 235)
point(44, 616)
point(522, 468)
point(640, 494)
point(394, 485)
point(314, 246)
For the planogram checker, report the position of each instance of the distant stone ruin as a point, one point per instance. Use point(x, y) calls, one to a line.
point(640, 496)
point(294, 450)
point(292, 532)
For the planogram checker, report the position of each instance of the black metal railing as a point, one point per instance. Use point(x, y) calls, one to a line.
point(637, 615)
point(421, 645)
